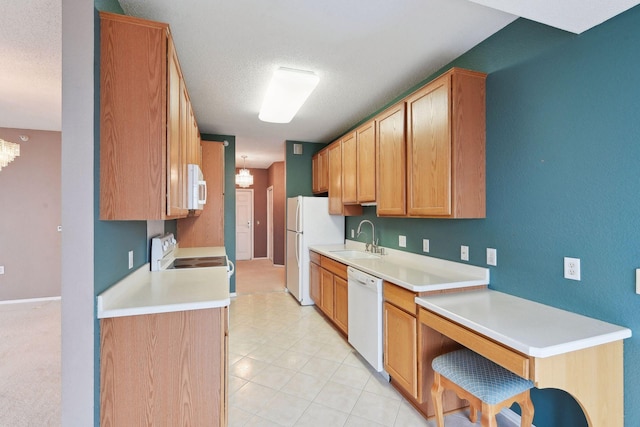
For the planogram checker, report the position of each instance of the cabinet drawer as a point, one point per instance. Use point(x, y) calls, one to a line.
point(400, 297)
point(314, 257)
point(503, 356)
point(333, 266)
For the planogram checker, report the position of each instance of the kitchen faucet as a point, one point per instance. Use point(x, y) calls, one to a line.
point(373, 246)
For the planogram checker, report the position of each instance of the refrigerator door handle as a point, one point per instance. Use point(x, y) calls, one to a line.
point(298, 236)
point(298, 219)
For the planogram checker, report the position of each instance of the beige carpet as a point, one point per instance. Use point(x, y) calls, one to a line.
point(30, 364)
point(259, 276)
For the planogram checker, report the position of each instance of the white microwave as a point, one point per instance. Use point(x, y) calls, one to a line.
point(197, 188)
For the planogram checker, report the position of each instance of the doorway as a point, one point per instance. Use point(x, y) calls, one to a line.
point(270, 223)
point(244, 224)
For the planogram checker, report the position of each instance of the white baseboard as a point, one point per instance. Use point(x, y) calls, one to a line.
point(29, 300)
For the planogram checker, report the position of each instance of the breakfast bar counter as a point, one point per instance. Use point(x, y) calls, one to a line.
point(552, 347)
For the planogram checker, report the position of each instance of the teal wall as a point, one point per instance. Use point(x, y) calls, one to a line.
point(229, 197)
point(563, 133)
point(298, 168)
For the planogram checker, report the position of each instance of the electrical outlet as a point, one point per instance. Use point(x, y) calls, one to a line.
point(1, 269)
point(464, 253)
point(130, 260)
point(572, 268)
point(425, 245)
point(638, 281)
point(492, 257)
point(353, 233)
point(402, 241)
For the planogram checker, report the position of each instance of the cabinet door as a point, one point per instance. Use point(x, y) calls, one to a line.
point(315, 173)
point(207, 229)
point(390, 160)
point(366, 179)
point(175, 182)
point(429, 149)
point(341, 304)
point(314, 283)
point(400, 352)
point(326, 292)
point(323, 170)
point(335, 178)
point(349, 169)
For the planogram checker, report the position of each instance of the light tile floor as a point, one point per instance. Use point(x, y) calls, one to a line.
point(289, 367)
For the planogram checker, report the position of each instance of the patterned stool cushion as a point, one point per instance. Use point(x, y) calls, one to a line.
point(486, 380)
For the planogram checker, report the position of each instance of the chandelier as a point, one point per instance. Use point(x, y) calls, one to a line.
point(8, 152)
point(244, 178)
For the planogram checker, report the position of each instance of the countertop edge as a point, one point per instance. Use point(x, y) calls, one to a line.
point(137, 311)
point(541, 352)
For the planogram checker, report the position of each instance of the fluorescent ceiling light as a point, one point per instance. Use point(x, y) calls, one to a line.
point(288, 90)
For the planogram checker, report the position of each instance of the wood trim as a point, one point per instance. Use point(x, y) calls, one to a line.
point(334, 267)
point(503, 356)
point(314, 257)
point(400, 297)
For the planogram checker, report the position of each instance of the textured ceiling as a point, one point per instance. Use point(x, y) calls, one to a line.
point(365, 52)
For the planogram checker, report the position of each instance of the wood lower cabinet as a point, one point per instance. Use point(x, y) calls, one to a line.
point(409, 347)
point(148, 131)
point(165, 369)
point(340, 303)
point(328, 289)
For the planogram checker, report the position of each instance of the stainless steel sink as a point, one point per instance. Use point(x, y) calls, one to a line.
point(352, 254)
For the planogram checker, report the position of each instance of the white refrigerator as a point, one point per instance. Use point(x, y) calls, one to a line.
point(308, 223)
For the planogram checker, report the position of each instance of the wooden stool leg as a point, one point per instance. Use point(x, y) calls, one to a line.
point(473, 414)
point(436, 396)
point(526, 407)
point(488, 418)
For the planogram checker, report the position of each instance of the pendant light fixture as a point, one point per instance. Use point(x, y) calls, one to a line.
point(244, 178)
point(8, 152)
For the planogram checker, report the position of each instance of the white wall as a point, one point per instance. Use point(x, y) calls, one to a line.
point(78, 391)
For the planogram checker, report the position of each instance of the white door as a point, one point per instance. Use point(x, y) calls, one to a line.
point(270, 223)
point(244, 224)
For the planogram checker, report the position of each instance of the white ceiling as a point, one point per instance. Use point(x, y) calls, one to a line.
point(365, 52)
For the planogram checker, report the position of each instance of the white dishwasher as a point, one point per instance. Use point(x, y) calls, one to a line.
point(365, 316)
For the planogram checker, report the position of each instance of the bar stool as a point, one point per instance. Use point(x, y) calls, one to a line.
point(487, 386)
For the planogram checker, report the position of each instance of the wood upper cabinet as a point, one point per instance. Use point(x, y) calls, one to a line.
point(143, 140)
point(207, 229)
point(390, 161)
point(320, 168)
point(446, 147)
point(349, 169)
point(335, 178)
point(366, 164)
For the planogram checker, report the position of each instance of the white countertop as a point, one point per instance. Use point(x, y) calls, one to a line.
point(149, 292)
point(415, 272)
point(529, 327)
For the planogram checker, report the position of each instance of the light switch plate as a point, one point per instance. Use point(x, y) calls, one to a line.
point(425, 245)
point(492, 257)
point(638, 281)
point(353, 233)
point(130, 260)
point(464, 253)
point(402, 241)
point(1, 269)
